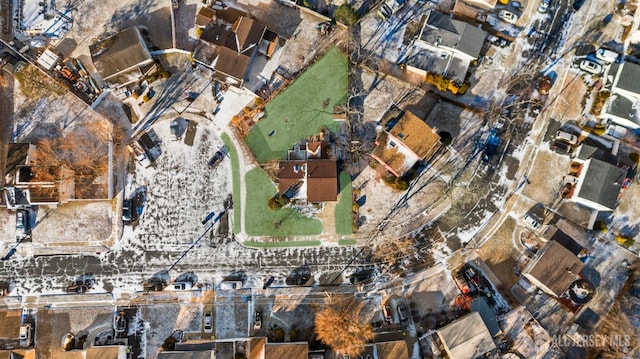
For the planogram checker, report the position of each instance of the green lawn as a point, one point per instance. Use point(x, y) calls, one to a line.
point(344, 222)
point(281, 244)
point(300, 111)
point(235, 173)
point(260, 220)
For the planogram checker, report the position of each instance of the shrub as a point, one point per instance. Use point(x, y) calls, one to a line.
point(199, 32)
point(273, 203)
point(346, 14)
point(401, 184)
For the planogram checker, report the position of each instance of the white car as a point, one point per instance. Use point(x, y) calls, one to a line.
point(607, 56)
point(507, 16)
point(208, 328)
point(590, 67)
point(25, 335)
point(531, 222)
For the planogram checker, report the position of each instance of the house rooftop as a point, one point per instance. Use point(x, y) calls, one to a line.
point(207, 354)
point(106, 352)
point(10, 323)
point(396, 349)
point(299, 350)
point(231, 64)
point(467, 337)
point(622, 107)
point(416, 135)
point(204, 16)
point(629, 77)
point(602, 183)
point(555, 266)
point(443, 30)
point(322, 180)
point(18, 154)
point(119, 53)
point(566, 241)
point(248, 33)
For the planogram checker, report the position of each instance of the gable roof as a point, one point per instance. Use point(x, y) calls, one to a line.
point(231, 64)
point(106, 352)
point(208, 354)
point(396, 349)
point(120, 53)
point(566, 241)
point(467, 337)
point(442, 30)
point(204, 16)
point(248, 33)
point(322, 180)
point(602, 183)
point(628, 77)
point(299, 350)
point(555, 267)
point(10, 323)
point(416, 135)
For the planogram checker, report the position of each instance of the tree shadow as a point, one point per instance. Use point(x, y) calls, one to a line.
point(299, 276)
point(126, 14)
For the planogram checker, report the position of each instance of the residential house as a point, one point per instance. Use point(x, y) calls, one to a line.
point(312, 180)
point(23, 188)
point(599, 185)
point(231, 50)
point(18, 354)
point(295, 350)
point(466, 337)
point(623, 106)
point(10, 63)
point(408, 141)
point(123, 58)
point(553, 269)
point(204, 17)
point(252, 348)
point(204, 354)
point(444, 46)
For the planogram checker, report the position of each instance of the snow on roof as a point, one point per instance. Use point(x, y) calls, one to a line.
point(467, 337)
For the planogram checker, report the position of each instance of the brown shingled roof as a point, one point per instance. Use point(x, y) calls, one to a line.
point(416, 135)
point(322, 180)
point(556, 267)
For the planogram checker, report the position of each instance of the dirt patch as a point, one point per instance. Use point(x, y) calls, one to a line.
point(546, 177)
point(569, 104)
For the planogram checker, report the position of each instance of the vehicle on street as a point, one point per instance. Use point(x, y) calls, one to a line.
point(567, 137)
point(590, 67)
point(257, 323)
point(218, 157)
point(208, 320)
point(577, 4)
point(126, 211)
point(25, 335)
point(182, 285)
point(23, 227)
point(386, 312)
point(544, 6)
point(230, 284)
point(120, 325)
point(402, 312)
point(531, 222)
point(507, 16)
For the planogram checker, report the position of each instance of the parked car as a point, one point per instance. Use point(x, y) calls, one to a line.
point(607, 56)
point(23, 226)
point(388, 315)
point(561, 147)
point(257, 323)
point(402, 312)
point(531, 222)
point(507, 16)
point(25, 335)
point(230, 284)
point(590, 67)
point(497, 41)
point(208, 320)
point(126, 211)
point(567, 137)
point(577, 4)
point(120, 324)
point(544, 6)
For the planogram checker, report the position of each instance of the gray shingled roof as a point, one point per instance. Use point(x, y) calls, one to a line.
point(629, 77)
point(446, 31)
point(119, 53)
point(622, 107)
point(602, 183)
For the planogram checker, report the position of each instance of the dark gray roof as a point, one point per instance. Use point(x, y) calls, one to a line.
point(443, 30)
point(555, 267)
point(629, 77)
point(622, 107)
point(487, 314)
point(427, 60)
point(602, 183)
point(119, 53)
point(566, 241)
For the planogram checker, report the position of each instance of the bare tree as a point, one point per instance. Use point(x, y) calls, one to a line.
point(339, 326)
point(622, 336)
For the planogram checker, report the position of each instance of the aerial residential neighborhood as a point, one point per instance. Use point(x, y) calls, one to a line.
point(303, 179)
